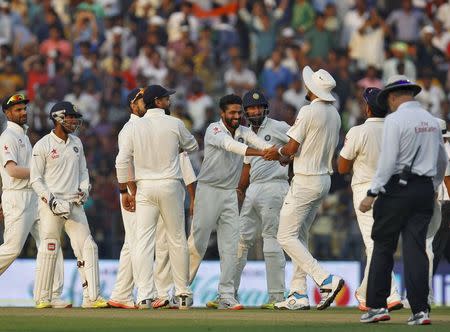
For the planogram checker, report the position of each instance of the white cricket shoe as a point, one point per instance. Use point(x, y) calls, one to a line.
point(58, 303)
point(294, 301)
point(328, 290)
point(421, 318)
point(229, 304)
point(375, 316)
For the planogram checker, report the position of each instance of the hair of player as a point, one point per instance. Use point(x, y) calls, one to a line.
point(229, 100)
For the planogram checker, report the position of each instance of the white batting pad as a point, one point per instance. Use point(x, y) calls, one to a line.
point(45, 270)
point(90, 256)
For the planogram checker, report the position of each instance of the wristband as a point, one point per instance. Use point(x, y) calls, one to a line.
point(123, 191)
point(371, 194)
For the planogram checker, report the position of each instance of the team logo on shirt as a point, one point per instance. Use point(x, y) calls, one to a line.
point(5, 149)
point(21, 143)
point(216, 130)
point(267, 138)
point(240, 139)
point(75, 149)
point(54, 154)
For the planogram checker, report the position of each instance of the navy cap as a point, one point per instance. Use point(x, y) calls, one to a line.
point(254, 98)
point(153, 92)
point(14, 99)
point(370, 96)
point(64, 108)
point(133, 94)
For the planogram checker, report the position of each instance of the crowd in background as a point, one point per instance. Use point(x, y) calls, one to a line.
point(93, 52)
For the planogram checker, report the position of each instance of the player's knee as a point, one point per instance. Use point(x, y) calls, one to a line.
point(271, 246)
point(49, 246)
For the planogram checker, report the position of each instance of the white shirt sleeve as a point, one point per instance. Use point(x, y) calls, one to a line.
point(84, 173)
point(187, 140)
point(9, 150)
point(254, 140)
point(38, 162)
point(218, 138)
point(298, 131)
point(187, 171)
point(388, 156)
point(442, 164)
point(350, 149)
point(125, 156)
point(281, 131)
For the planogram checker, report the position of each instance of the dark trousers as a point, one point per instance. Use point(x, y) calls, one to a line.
point(406, 211)
point(441, 243)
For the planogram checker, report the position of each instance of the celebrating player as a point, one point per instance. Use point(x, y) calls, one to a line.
point(60, 178)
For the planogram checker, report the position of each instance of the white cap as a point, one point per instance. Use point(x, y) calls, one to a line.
point(320, 83)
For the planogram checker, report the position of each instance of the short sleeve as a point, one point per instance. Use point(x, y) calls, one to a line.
point(298, 131)
point(350, 149)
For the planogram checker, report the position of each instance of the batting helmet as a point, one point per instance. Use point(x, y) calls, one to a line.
point(255, 98)
point(62, 109)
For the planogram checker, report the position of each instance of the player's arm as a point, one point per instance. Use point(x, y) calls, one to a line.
point(123, 160)
point(17, 172)
point(349, 152)
point(447, 184)
point(187, 141)
point(218, 138)
point(85, 185)
point(344, 165)
point(189, 179)
point(244, 180)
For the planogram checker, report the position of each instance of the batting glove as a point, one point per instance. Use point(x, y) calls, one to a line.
point(82, 197)
point(59, 207)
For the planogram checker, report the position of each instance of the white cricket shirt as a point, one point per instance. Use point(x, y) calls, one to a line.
point(274, 133)
point(15, 146)
point(152, 144)
point(363, 145)
point(59, 167)
point(224, 154)
point(409, 127)
point(317, 130)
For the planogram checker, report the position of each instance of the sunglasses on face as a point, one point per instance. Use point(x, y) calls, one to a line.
point(140, 94)
point(15, 98)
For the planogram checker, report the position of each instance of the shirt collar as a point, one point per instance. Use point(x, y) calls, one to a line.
point(412, 103)
point(316, 101)
point(59, 140)
point(154, 111)
point(133, 117)
point(236, 133)
point(373, 119)
point(14, 126)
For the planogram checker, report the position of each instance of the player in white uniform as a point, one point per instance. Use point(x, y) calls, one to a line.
point(313, 140)
point(216, 204)
point(360, 153)
point(19, 199)
point(60, 178)
point(264, 184)
point(152, 144)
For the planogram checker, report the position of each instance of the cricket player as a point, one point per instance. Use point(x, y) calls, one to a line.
point(313, 140)
point(60, 178)
point(19, 200)
point(216, 204)
point(264, 184)
point(152, 144)
point(360, 154)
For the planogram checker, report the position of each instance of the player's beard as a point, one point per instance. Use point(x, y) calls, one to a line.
point(229, 122)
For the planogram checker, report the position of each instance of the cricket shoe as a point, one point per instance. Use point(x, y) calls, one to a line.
point(394, 303)
point(160, 303)
point(43, 305)
point(145, 304)
point(421, 318)
point(58, 303)
point(213, 304)
point(122, 304)
point(294, 301)
point(184, 301)
point(229, 304)
point(375, 316)
point(268, 306)
point(99, 303)
point(330, 287)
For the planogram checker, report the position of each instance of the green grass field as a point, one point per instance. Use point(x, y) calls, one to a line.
point(249, 320)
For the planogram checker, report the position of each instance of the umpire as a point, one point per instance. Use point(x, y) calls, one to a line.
point(411, 166)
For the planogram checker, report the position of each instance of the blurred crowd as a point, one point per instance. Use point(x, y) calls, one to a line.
point(93, 52)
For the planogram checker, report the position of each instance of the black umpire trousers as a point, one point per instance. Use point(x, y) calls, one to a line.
point(404, 210)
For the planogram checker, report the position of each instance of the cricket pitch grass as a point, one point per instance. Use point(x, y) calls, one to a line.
point(248, 320)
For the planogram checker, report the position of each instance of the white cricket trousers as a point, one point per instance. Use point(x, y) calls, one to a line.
point(123, 288)
point(215, 208)
point(433, 227)
point(20, 210)
point(365, 222)
point(162, 270)
point(296, 217)
point(165, 197)
point(84, 248)
point(261, 207)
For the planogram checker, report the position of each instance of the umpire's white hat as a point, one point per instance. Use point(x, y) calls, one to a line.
point(320, 83)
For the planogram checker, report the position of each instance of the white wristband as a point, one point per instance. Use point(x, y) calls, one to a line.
point(280, 153)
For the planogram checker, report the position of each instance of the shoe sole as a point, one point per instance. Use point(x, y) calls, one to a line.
point(67, 306)
point(424, 322)
point(211, 306)
point(395, 306)
point(330, 300)
point(302, 308)
point(119, 305)
point(236, 307)
point(160, 305)
point(377, 319)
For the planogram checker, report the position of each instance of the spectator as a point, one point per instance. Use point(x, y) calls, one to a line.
point(370, 79)
point(353, 20)
point(443, 13)
point(86, 104)
point(441, 36)
point(10, 80)
point(432, 96)
point(180, 19)
point(428, 56)
point(296, 94)
point(275, 76)
point(277, 106)
point(398, 63)
point(319, 41)
point(406, 22)
point(302, 16)
point(55, 45)
point(197, 103)
point(239, 79)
